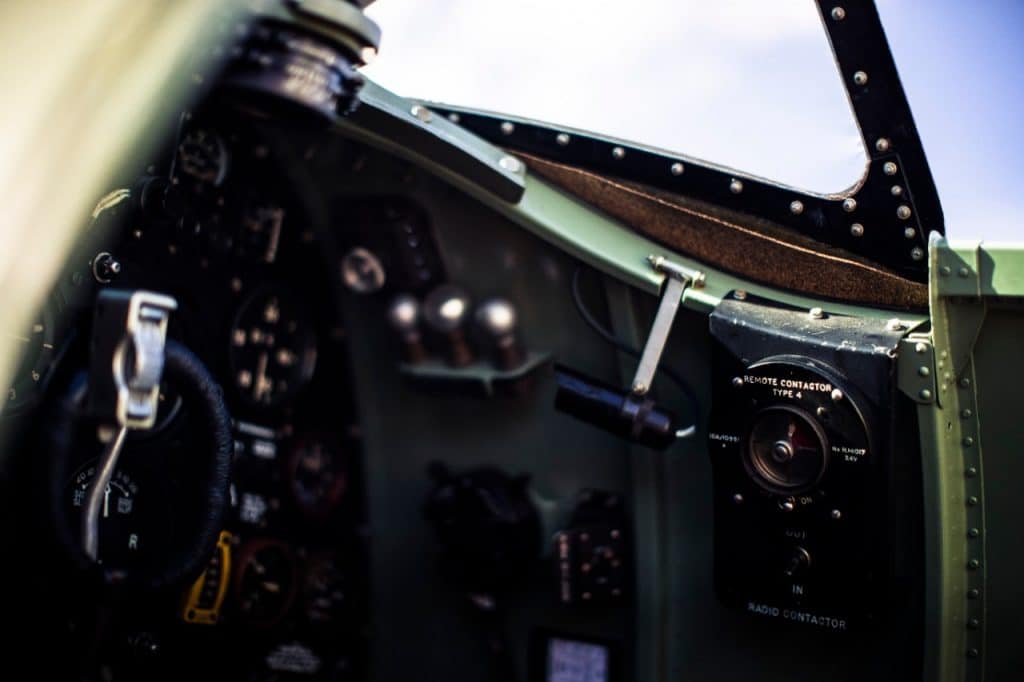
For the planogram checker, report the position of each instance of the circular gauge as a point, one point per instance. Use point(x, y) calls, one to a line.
point(122, 541)
point(37, 348)
point(323, 592)
point(787, 451)
point(266, 581)
point(273, 349)
point(317, 475)
point(203, 156)
point(362, 271)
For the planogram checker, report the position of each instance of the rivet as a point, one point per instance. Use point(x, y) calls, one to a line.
point(677, 168)
point(974, 623)
point(838, 13)
point(971, 472)
point(837, 395)
point(816, 314)
point(882, 144)
point(896, 191)
point(972, 653)
point(737, 382)
point(973, 564)
point(972, 501)
point(618, 153)
point(945, 271)
point(973, 533)
point(857, 230)
point(796, 207)
point(894, 325)
point(921, 347)
point(973, 593)
point(903, 212)
point(917, 253)
point(737, 498)
point(966, 413)
point(739, 295)
point(836, 514)
point(925, 394)
point(821, 412)
point(963, 272)
point(965, 382)
point(910, 233)
point(453, 117)
point(968, 441)
point(507, 128)
point(511, 164)
point(849, 204)
point(860, 78)
point(735, 186)
point(889, 168)
point(923, 371)
point(562, 139)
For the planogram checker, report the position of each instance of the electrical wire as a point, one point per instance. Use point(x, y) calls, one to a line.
point(622, 346)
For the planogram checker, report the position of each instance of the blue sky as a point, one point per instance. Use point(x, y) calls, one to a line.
point(748, 84)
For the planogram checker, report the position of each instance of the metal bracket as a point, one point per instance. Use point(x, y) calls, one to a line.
point(915, 367)
point(677, 279)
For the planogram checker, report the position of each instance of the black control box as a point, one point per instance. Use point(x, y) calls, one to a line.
point(802, 446)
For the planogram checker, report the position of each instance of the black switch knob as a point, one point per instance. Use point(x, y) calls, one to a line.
point(797, 563)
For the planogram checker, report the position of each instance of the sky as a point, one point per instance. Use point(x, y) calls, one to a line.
point(743, 83)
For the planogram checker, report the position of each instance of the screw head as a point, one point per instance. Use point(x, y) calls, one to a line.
point(894, 325)
point(882, 144)
point(737, 381)
point(453, 117)
point(971, 472)
point(917, 253)
point(837, 395)
point(640, 388)
point(511, 164)
point(973, 532)
point(925, 394)
point(857, 230)
point(965, 382)
point(737, 498)
point(973, 593)
point(836, 514)
point(896, 191)
point(889, 168)
point(921, 347)
point(735, 186)
point(422, 113)
point(973, 564)
point(972, 501)
point(966, 413)
point(968, 441)
point(974, 623)
point(618, 153)
point(860, 78)
point(923, 371)
point(677, 168)
point(838, 13)
point(739, 295)
point(562, 139)
point(849, 204)
point(903, 212)
point(910, 233)
point(816, 314)
point(796, 207)
point(963, 272)
point(507, 128)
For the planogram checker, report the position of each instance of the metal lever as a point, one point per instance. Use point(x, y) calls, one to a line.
point(129, 336)
point(678, 279)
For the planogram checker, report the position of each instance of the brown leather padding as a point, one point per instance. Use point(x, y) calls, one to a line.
point(752, 248)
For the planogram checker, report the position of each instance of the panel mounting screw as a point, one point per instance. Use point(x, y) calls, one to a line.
point(860, 78)
point(974, 623)
point(910, 233)
point(837, 395)
point(857, 230)
point(968, 441)
point(735, 186)
point(739, 295)
point(903, 212)
point(894, 325)
point(838, 13)
point(973, 593)
point(945, 271)
point(562, 139)
point(966, 413)
point(889, 168)
point(849, 204)
point(925, 394)
point(796, 207)
point(896, 191)
point(677, 168)
point(917, 253)
point(972, 501)
point(816, 314)
point(737, 498)
point(963, 272)
point(618, 153)
point(836, 514)
point(882, 144)
point(973, 564)
point(971, 472)
point(965, 383)
point(737, 382)
point(923, 371)
point(511, 164)
point(507, 128)
point(973, 532)
point(422, 113)
point(921, 347)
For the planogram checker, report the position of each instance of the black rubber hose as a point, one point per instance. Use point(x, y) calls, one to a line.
point(203, 400)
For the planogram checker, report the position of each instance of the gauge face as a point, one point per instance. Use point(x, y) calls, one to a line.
point(317, 475)
point(122, 540)
point(323, 592)
point(273, 349)
point(203, 156)
point(37, 353)
point(265, 583)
